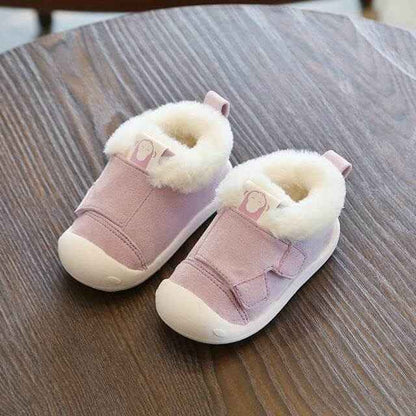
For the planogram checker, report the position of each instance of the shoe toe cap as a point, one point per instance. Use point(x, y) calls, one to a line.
point(191, 317)
point(92, 266)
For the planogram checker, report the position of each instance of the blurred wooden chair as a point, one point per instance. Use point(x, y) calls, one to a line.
point(45, 8)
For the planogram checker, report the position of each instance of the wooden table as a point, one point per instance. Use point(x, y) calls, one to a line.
point(345, 344)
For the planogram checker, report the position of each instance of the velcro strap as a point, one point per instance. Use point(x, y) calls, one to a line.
point(291, 263)
point(253, 291)
point(246, 256)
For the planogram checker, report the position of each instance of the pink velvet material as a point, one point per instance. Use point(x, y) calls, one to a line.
point(163, 214)
point(117, 193)
point(110, 238)
point(237, 260)
point(206, 285)
point(132, 221)
point(247, 267)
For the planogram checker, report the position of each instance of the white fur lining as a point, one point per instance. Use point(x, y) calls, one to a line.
point(199, 136)
point(310, 188)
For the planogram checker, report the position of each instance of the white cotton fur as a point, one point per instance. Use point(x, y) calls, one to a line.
point(316, 185)
point(199, 136)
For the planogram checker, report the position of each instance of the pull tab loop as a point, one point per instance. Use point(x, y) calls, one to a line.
point(217, 102)
point(339, 162)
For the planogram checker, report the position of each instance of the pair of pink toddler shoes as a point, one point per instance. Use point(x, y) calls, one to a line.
point(168, 172)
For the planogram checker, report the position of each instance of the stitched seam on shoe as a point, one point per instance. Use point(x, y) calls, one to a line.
point(285, 256)
point(99, 210)
point(250, 305)
point(282, 259)
point(213, 225)
point(197, 253)
point(125, 219)
point(200, 242)
point(256, 228)
point(201, 258)
point(131, 165)
point(253, 225)
point(208, 263)
point(124, 239)
point(213, 280)
point(137, 209)
point(119, 234)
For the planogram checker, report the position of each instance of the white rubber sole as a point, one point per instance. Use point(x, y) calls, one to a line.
point(191, 317)
point(90, 265)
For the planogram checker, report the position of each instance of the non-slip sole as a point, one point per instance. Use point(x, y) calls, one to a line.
point(90, 265)
point(191, 317)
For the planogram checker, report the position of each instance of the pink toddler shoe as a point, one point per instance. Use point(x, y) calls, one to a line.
point(156, 190)
point(277, 226)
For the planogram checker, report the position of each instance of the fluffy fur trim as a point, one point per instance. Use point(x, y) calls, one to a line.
point(310, 188)
point(199, 136)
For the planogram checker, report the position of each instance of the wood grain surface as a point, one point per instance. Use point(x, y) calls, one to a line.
point(344, 345)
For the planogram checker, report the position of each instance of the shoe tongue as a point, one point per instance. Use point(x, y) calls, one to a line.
point(148, 152)
point(256, 201)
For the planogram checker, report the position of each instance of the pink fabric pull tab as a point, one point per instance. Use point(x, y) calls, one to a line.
point(148, 152)
point(256, 202)
point(217, 102)
point(339, 162)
